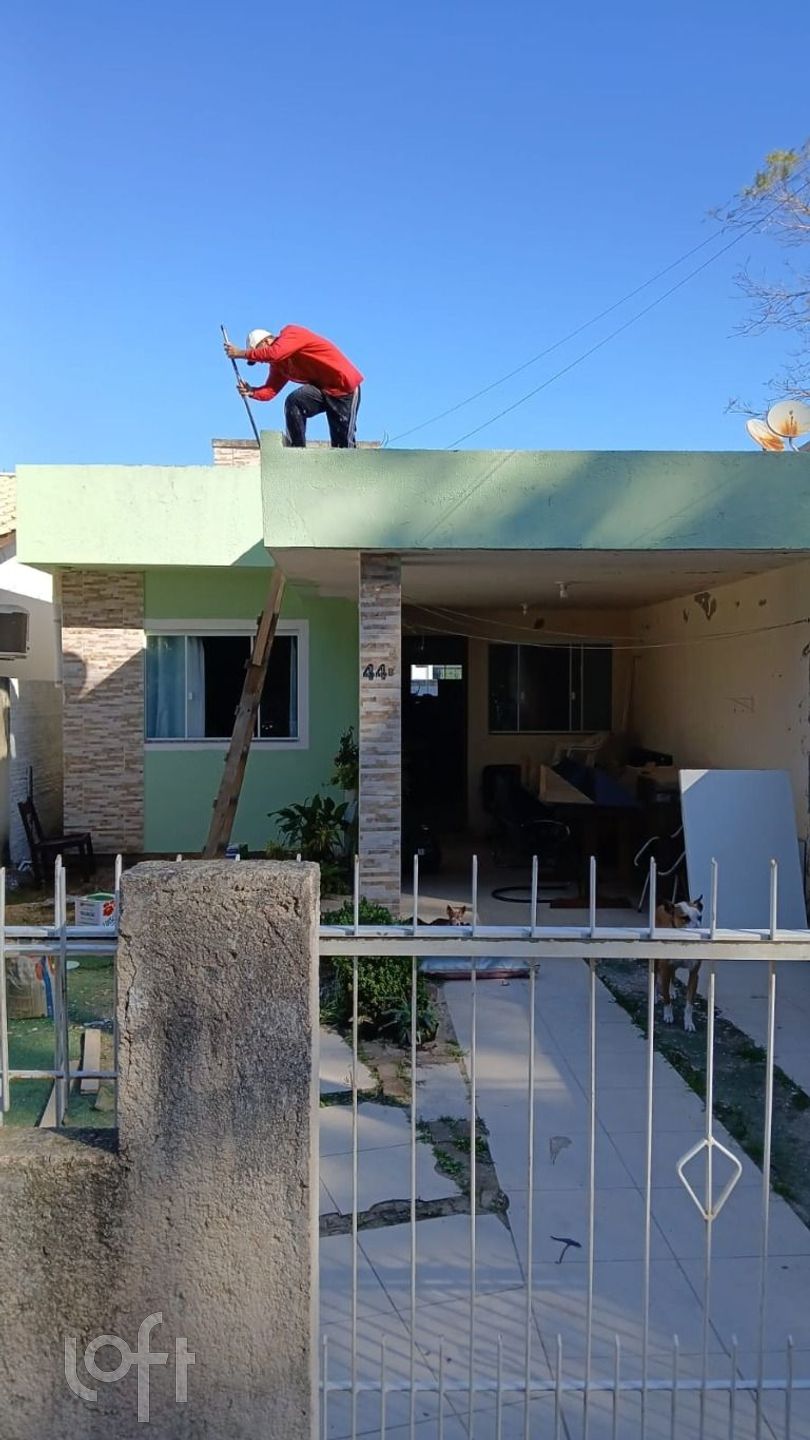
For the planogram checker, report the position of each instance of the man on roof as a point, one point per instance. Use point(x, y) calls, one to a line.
point(326, 380)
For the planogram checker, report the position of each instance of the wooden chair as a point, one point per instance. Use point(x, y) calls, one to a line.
point(44, 849)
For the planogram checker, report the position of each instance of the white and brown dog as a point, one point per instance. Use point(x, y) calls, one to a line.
point(678, 915)
point(455, 916)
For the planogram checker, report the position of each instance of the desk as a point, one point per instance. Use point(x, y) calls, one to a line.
point(552, 789)
point(588, 823)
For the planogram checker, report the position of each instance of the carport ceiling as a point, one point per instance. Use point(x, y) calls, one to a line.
point(495, 578)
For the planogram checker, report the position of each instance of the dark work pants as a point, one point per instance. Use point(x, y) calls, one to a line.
point(341, 415)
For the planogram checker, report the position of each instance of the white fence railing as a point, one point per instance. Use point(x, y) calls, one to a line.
point(57, 943)
point(497, 1388)
point(472, 1379)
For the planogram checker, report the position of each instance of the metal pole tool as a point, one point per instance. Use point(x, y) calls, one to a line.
point(244, 397)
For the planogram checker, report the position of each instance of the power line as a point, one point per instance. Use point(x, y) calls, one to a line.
point(593, 640)
point(572, 334)
point(645, 310)
point(578, 330)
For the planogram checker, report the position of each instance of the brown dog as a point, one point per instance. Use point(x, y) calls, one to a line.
point(680, 915)
point(455, 916)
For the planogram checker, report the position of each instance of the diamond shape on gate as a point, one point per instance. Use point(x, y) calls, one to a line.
point(709, 1209)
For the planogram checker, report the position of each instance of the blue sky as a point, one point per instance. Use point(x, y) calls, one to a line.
point(443, 187)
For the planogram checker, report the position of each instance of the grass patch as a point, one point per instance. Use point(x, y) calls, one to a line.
point(739, 1082)
point(31, 1047)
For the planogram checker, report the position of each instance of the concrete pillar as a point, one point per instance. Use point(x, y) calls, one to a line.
point(381, 728)
point(207, 1212)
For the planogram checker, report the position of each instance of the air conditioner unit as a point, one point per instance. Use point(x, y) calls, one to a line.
point(13, 632)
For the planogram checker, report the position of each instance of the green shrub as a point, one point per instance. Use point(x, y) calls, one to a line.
point(314, 829)
point(384, 986)
point(345, 774)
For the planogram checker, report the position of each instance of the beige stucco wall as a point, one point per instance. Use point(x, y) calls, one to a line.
point(485, 749)
point(735, 703)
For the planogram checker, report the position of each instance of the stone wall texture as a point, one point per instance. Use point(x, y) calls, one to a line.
point(103, 667)
point(8, 502)
point(201, 1211)
point(381, 728)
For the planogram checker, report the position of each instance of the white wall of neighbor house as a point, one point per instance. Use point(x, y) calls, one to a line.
point(740, 702)
point(33, 707)
point(28, 589)
point(539, 626)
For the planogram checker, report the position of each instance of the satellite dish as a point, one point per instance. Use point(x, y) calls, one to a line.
point(763, 435)
point(789, 418)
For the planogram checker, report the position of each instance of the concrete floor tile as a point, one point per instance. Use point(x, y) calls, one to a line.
point(335, 1267)
point(658, 1423)
point(676, 1107)
point(489, 1424)
point(336, 1065)
point(453, 1429)
point(618, 1226)
point(561, 1160)
point(668, 1148)
point(776, 1369)
point(442, 1259)
point(560, 1306)
point(558, 1110)
point(369, 1415)
point(327, 1204)
point(377, 1126)
point(737, 1230)
point(384, 1174)
point(735, 1299)
point(497, 1314)
point(441, 1090)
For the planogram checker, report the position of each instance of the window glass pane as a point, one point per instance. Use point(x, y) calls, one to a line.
point(216, 674)
point(165, 687)
point(278, 712)
point(503, 687)
point(597, 688)
point(544, 687)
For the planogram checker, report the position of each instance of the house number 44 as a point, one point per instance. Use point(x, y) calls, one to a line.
point(379, 672)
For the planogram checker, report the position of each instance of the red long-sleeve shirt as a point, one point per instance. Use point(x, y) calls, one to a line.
point(307, 359)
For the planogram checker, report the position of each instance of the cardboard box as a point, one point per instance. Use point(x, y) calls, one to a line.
point(98, 909)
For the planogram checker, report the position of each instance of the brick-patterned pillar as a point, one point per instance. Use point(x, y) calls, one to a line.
point(103, 667)
point(381, 728)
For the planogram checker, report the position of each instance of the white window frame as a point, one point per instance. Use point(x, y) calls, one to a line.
point(299, 628)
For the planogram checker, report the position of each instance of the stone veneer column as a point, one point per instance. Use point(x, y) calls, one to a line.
point(381, 728)
point(103, 669)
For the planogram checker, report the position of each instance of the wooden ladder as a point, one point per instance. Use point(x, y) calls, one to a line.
point(230, 786)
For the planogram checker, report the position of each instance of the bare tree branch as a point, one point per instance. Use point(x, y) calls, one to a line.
point(777, 202)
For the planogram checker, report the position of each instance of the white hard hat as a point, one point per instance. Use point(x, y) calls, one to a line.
point(255, 337)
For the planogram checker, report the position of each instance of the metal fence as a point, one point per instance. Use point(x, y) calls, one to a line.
point(493, 1396)
point(57, 944)
point(366, 1388)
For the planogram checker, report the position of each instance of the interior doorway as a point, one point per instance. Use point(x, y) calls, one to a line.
point(434, 731)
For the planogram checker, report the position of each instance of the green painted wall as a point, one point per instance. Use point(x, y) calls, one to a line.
point(141, 517)
point(137, 516)
point(180, 785)
point(526, 500)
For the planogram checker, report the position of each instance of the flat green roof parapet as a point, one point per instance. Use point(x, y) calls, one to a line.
point(381, 499)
